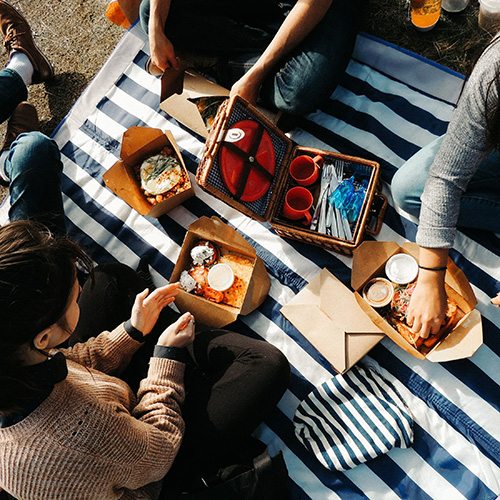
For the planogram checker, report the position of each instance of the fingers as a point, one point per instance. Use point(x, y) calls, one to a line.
point(140, 297)
point(496, 300)
point(165, 294)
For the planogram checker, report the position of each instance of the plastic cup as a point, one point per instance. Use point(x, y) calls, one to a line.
point(454, 5)
point(220, 277)
point(425, 13)
point(489, 15)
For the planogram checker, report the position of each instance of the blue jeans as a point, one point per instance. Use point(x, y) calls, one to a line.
point(479, 205)
point(33, 165)
point(303, 81)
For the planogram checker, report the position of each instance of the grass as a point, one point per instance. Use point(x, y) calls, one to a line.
point(456, 41)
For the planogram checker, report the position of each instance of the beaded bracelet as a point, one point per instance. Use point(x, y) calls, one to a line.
point(432, 268)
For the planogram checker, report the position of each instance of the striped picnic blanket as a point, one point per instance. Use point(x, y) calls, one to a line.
point(390, 104)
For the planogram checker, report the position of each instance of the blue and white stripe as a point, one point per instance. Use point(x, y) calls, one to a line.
point(390, 104)
point(353, 418)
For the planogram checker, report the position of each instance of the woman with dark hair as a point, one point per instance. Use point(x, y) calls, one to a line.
point(454, 181)
point(69, 428)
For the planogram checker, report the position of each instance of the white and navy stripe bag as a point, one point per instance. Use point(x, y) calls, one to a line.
point(353, 418)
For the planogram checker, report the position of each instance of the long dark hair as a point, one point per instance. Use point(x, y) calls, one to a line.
point(37, 274)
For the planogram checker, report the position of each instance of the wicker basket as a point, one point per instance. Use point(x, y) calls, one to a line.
point(268, 207)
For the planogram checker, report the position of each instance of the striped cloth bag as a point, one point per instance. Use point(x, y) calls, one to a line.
point(353, 418)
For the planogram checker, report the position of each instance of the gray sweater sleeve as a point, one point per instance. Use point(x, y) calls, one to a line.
point(462, 151)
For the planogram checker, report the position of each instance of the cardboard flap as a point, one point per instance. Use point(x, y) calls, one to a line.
point(326, 339)
point(175, 101)
point(202, 309)
point(258, 287)
point(172, 82)
point(368, 257)
point(127, 190)
point(215, 230)
point(135, 138)
point(452, 346)
point(328, 315)
point(198, 86)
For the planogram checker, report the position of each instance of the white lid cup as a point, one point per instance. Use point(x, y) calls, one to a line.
point(220, 277)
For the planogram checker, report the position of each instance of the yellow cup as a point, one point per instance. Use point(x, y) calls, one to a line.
point(425, 13)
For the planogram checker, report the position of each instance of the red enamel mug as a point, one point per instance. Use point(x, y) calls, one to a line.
point(298, 203)
point(305, 169)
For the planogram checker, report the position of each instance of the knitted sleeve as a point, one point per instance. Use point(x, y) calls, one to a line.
point(160, 397)
point(463, 149)
point(109, 352)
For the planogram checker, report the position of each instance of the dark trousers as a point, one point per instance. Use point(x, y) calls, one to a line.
point(232, 382)
point(237, 33)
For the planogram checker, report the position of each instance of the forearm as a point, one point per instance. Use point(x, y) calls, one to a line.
point(158, 15)
point(109, 352)
point(432, 261)
point(302, 19)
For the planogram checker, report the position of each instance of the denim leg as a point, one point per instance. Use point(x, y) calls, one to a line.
point(34, 168)
point(479, 205)
point(12, 92)
point(408, 182)
point(310, 75)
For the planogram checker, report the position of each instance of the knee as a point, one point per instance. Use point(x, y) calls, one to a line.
point(144, 15)
point(403, 191)
point(275, 368)
point(34, 152)
point(37, 146)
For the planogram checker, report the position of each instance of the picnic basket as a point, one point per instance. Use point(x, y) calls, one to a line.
point(268, 208)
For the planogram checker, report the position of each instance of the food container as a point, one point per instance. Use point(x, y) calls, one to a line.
point(254, 286)
point(139, 143)
point(242, 131)
point(220, 277)
point(378, 292)
point(343, 327)
point(401, 268)
point(466, 336)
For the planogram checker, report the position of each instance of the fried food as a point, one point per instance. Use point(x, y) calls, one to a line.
point(204, 254)
point(396, 317)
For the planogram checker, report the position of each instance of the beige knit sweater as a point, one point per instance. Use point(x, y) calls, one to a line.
point(92, 438)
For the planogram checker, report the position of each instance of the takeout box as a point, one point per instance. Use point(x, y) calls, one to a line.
point(277, 149)
point(227, 239)
point(344, 327)
point(466, 336)
point(177, 88)
point(178, 95)
point(138, 144)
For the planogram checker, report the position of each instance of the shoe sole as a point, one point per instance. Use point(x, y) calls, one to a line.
point(33, 39)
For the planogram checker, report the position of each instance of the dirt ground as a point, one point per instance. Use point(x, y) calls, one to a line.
point(78, 38)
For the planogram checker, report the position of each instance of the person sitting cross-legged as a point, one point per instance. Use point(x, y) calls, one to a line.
point(30, 162)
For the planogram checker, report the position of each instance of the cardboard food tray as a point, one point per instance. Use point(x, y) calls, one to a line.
point(343, 327)
point(268, 207)
point(138, 144)
point(179, 88)
point(229, 240)
point(466, 336)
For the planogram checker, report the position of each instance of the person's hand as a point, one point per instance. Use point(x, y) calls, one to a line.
point(496, 300)
point(180, 333)
point(427, 307)
point(248, 87)
point(147, 307)
point(163, 52)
